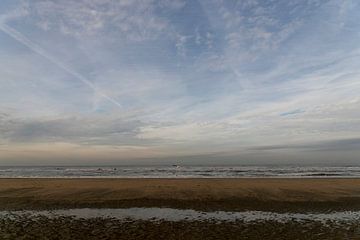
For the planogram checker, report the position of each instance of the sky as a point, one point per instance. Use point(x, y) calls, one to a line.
point(176, 81)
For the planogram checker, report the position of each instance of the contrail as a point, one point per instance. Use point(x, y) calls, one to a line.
point(37, 49)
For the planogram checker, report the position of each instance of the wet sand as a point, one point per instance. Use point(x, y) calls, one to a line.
point(97, 228)
point(203, 194)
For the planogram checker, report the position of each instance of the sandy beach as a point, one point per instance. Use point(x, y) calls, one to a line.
point(207, 195)
point(204, 194)
point(303, 196)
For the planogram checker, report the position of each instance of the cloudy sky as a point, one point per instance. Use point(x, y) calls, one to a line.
point(215, 81)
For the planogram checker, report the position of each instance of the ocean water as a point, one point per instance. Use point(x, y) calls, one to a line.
point(179, 172)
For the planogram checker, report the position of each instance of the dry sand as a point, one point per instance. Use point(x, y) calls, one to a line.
point(225, 194)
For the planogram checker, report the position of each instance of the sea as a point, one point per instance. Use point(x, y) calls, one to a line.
point(175, 171)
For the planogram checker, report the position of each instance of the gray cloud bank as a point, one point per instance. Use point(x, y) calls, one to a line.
point(106, 135)
point(79, 130)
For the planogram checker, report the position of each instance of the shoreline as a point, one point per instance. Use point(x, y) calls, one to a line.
point(184, 178)
point(207, 194)
point(326, 178)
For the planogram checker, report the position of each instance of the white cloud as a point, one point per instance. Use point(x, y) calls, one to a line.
point(181, 44)
point(132, 20)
